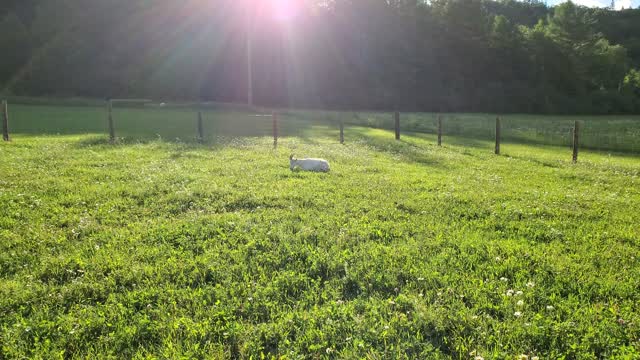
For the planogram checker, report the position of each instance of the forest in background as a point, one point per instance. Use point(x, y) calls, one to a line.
point(443, 55)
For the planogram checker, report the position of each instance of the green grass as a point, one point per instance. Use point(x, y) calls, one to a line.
point(610, 133)
point(144, 123)
point(140, 121)
point(163, 249)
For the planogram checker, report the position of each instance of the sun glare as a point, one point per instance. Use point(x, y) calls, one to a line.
point(284, 10)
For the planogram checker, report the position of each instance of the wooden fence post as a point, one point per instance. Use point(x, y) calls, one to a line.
point(498, 135)
point(576, 140)
point(112, 130)
point(274, 116)
point(200, 127)
point(341, 131)
point(439, 130)
point(397, 123)
point(5, 120)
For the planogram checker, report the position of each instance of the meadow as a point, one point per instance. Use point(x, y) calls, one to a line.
point(159, 247)
point(144, 121)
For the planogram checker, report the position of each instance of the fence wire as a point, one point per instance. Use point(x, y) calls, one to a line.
point(145, 120)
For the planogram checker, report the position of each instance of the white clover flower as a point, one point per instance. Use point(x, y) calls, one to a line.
point(329, 350)
point(498, 258)
point(550, 307)
point(504, 279)
point(478, 358)
point(530, 284)
point(535, 358)
point(523, 357)
point(517, 314)
point(421, 294)
point(519, 293)
point(420, 279)
point(520, 303)
point(509, 292)
point(386, 327)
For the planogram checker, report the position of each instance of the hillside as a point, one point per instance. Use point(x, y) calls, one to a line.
point(450, 55)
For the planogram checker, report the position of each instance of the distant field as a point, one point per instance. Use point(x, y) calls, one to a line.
point(161, 249)
point(612, 133)
point(137, 121)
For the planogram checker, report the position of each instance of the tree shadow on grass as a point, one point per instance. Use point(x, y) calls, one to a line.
point(312, 134)
point(546, 163)
point(417, 148)
point(91, 141)
point(454, 141)
point(408, 151)
point(98, 142)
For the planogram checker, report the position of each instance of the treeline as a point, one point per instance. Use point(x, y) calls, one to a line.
point(444, 55)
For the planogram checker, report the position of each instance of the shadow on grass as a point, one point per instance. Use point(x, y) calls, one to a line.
point(545, 163)
point(92, 141)
point(563, 155)
point(408, 151)
point(455, 141)
point(311, 135)
point(304, 131)
point(100, 142)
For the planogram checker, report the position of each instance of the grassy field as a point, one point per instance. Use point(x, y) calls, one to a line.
point(150, 121)
point(169, 249)
point(175, 249)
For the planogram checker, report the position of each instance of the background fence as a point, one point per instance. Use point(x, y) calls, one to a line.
point(609, 133)
point(143, 119)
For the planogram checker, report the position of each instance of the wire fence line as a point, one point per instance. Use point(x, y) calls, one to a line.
point(609, 133)
point(141, 118)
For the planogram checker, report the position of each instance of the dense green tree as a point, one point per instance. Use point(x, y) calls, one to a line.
point(632, 81)
point(14, 36)
point(441, 55)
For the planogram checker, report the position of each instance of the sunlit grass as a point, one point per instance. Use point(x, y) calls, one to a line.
point(174, 249)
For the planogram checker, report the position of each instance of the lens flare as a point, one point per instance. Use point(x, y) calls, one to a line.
point(284, 10)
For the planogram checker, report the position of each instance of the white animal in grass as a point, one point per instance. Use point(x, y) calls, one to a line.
point(308, 164)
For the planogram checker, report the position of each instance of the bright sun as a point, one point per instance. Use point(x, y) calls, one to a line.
point(284, 10)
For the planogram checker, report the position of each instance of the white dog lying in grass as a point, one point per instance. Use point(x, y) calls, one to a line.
point(308, 164)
